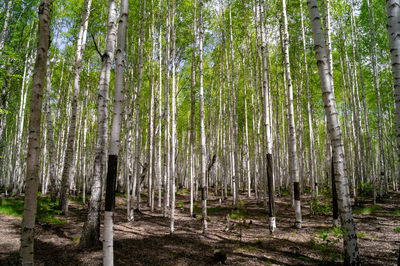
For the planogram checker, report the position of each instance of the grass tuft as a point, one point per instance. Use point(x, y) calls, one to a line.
point(368, 210)
point(46, 210)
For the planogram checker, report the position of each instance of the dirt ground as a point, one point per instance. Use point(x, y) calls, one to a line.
point(246, 241)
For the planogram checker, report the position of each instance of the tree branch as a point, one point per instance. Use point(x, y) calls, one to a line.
point(95, 46)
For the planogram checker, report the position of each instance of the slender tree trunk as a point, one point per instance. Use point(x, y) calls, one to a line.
point(150, 154)
point(33, 160)
point(293, 159)
point(50, 141)
point(393, 22)
point(5, 27)
point(351, 255)
point(203, 157)
point(247, 149)
point(67, 173)
point(173, 121)
point(138, 137)
point(193, 108)
point(383, 176)
point(108, 247)
point(159, 156)
point(91, 228)
point(270, 178)
point(234, 122)
point(309, 111)
point(166, 115)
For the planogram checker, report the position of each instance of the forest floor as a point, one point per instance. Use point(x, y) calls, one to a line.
point(245, 238)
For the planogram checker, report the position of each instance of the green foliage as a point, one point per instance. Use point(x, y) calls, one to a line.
point(397, 229)
point(247, 248)
point(12, 206)
point(325, 241)
point(180, 204)
point(320, 207)
point(182, 191)
point(396, 212)
point(367, 210)
point(46, 210)
point(367, 189)
point(79, 199)
point(3, 111)
point(360, 234)
point(240, 211)
point(236, 215)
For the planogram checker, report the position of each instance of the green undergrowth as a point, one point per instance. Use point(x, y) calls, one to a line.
point(397, 229)
point(79, 199)
point(245, 249)
point(367, 210)
point(183, 191)
point(367, 189)
point(240, 211)
point(324, 243)
point(321, 207)
point(46, 210)
point(396, 212)
point(210, 210)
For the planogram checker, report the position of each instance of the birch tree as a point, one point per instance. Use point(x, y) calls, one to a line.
point(393, 19)
point(203, 154)
point(351, 255)
point(33, 160)
point(293, 159)
point(91, 228)
point(173, 120)
point(108, 247)
point(67, 173)
point(267, 125)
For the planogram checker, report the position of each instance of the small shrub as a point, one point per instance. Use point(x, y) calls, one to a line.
point(397, 229)
point(285, 192)
point(396, 212)
point(325, 241)
point(320, 207)
point(182, 191)
point(360, 234)
point(180, 204)
point(367, 189)
point(236, 215)
point(307, 190)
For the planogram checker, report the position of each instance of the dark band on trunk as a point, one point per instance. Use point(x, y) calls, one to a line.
point(296, 191)
point(111, 180)
point(335, 206)
point(271, 191)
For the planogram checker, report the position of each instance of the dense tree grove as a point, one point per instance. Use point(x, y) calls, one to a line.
point(213, 96)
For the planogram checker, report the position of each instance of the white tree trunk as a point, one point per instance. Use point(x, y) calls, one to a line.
point(108, 250)
point(173, 120)
point(203, 157)
point(351, 255)
point(68, 170)
point(292, 147)
point(393, 19)
point(267, 125)
point(193, 109)
point(5, 26)
point(91, 228)
point(33, 160)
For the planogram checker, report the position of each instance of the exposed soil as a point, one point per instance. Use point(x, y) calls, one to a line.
point(246, 241)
